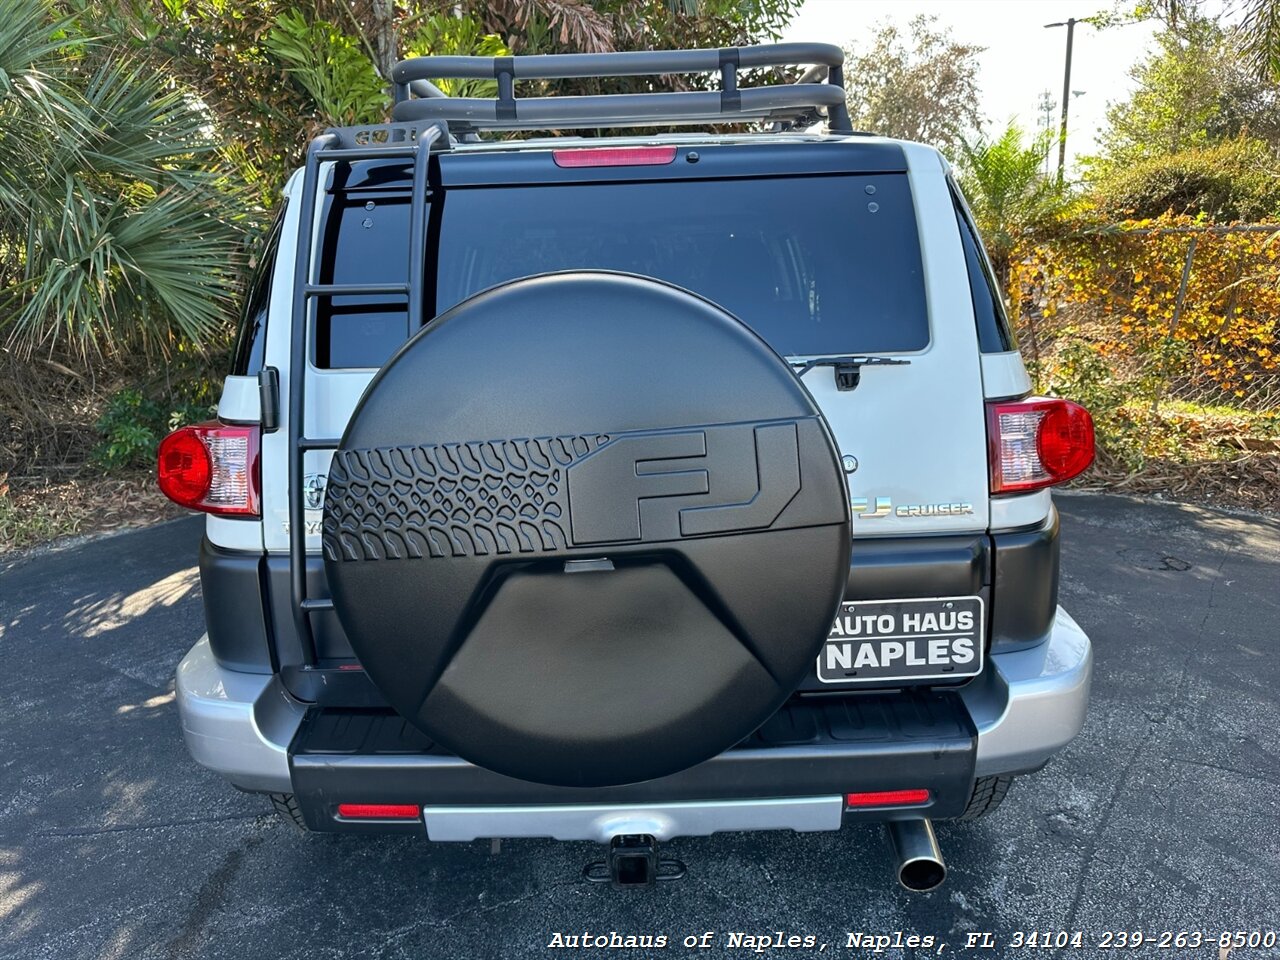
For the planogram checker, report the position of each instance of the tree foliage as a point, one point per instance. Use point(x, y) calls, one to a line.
point(1235, 180)
point(330, 67)
point(119, 223)
point(274, 72)
point(1107, 321)
point(1193, 89)
point(1260, 38)
point(1011, 198)
point(918, 84)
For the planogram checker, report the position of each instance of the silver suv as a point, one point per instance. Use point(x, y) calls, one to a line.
point(629, 487)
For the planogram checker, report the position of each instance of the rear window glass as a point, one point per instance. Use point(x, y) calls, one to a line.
point(251, 339)
point(815, 265)
point(370, 245)
point(994, 332)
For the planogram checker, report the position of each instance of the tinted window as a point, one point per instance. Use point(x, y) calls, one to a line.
point(251, 338)
point(825, 264)
point(367, 242)
point(994, 334)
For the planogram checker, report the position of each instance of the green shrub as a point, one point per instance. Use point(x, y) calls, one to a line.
point(1126, 410)
point(133, 425)
point(1229, 181)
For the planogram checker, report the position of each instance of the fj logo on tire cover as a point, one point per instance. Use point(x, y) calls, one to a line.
point(547, 494)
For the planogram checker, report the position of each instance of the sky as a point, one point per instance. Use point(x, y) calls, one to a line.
point(1022, 59)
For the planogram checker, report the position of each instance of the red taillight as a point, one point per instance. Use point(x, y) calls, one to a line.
point(211, 467)
point(379, 811)
point(1037, 442)
point(887, 798)
point(614, 157)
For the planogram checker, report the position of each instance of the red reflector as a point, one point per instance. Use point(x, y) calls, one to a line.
point(379, 811)
point(1066, 440)
point(614, 157)
point(887, 798)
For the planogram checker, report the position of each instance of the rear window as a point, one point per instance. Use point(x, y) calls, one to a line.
point(815, 265)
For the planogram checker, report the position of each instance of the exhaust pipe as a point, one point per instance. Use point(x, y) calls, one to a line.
point(919, 859)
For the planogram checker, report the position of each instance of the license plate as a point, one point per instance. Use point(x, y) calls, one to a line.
point(935, 639)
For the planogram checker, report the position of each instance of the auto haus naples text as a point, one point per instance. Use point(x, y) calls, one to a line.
point(909, 637)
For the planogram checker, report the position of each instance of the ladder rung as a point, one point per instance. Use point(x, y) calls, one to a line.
point(406, 152)
point(316, 443)
point(356, 289)
point(318, 603)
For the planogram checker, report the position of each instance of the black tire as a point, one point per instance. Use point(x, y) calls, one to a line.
point(988, 794)
point(286, 804)
point(615, 559)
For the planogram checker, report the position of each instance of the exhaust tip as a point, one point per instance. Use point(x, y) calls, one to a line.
point(922, 875)
point(919, 859)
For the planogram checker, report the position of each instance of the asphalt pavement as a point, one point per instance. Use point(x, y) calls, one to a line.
point(1162, 816)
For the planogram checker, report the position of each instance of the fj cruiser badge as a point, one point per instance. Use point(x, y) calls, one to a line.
point(865, 508)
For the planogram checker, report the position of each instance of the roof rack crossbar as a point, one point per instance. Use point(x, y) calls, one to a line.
point(417, 99)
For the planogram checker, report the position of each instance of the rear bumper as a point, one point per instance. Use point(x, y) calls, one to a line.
point(663, 821)
point(1031, 703)
point(1025, 707)
point(237, 724)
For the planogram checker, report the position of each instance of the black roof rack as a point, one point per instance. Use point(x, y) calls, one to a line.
point(819, 89)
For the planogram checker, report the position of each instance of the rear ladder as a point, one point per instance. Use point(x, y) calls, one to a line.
point(414, 143)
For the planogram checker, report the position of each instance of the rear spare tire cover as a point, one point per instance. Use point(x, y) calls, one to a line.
point(586, 529)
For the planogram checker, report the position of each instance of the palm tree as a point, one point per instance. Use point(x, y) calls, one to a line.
point(118, 226)
point(1258, 32)
point(1010, 195)
point(1260, 37)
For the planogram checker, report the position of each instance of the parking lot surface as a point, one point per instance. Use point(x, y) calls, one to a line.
point(1162, 816)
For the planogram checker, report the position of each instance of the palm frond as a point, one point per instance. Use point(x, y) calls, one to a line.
point(574, 23)
point(144, 128)
point(1008, 190)
point(38, 112)
point(109, 273)
point(119, 226)
point(330, 66)
point(1259, 33)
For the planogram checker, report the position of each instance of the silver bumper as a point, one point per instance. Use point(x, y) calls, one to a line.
point(237, 724)
point(1033, 702)
point(1027, 705)
point(602, 822)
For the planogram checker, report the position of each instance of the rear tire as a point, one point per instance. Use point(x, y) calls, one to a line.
point(988, 794)
point(286, 804)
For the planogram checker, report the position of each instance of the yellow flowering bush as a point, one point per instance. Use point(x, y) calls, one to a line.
point(1103, 314)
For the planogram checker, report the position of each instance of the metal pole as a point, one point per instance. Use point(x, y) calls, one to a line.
point(1066, 101)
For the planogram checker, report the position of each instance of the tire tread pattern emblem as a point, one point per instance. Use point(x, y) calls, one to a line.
point(450, 500)
point(499, 497)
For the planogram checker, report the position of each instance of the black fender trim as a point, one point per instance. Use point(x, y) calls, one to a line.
point(232, 589)
point(1025, 588)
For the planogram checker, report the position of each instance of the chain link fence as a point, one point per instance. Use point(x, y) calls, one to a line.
point(1169, 331)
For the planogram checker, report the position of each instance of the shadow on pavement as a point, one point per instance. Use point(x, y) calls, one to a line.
point(1160, 816)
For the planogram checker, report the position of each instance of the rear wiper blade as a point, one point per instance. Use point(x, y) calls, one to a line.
point(848, 369)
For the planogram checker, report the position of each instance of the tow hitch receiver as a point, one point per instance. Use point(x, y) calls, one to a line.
point(633, 862)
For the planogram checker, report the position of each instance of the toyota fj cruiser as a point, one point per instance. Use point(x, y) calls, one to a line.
point(628, 487)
